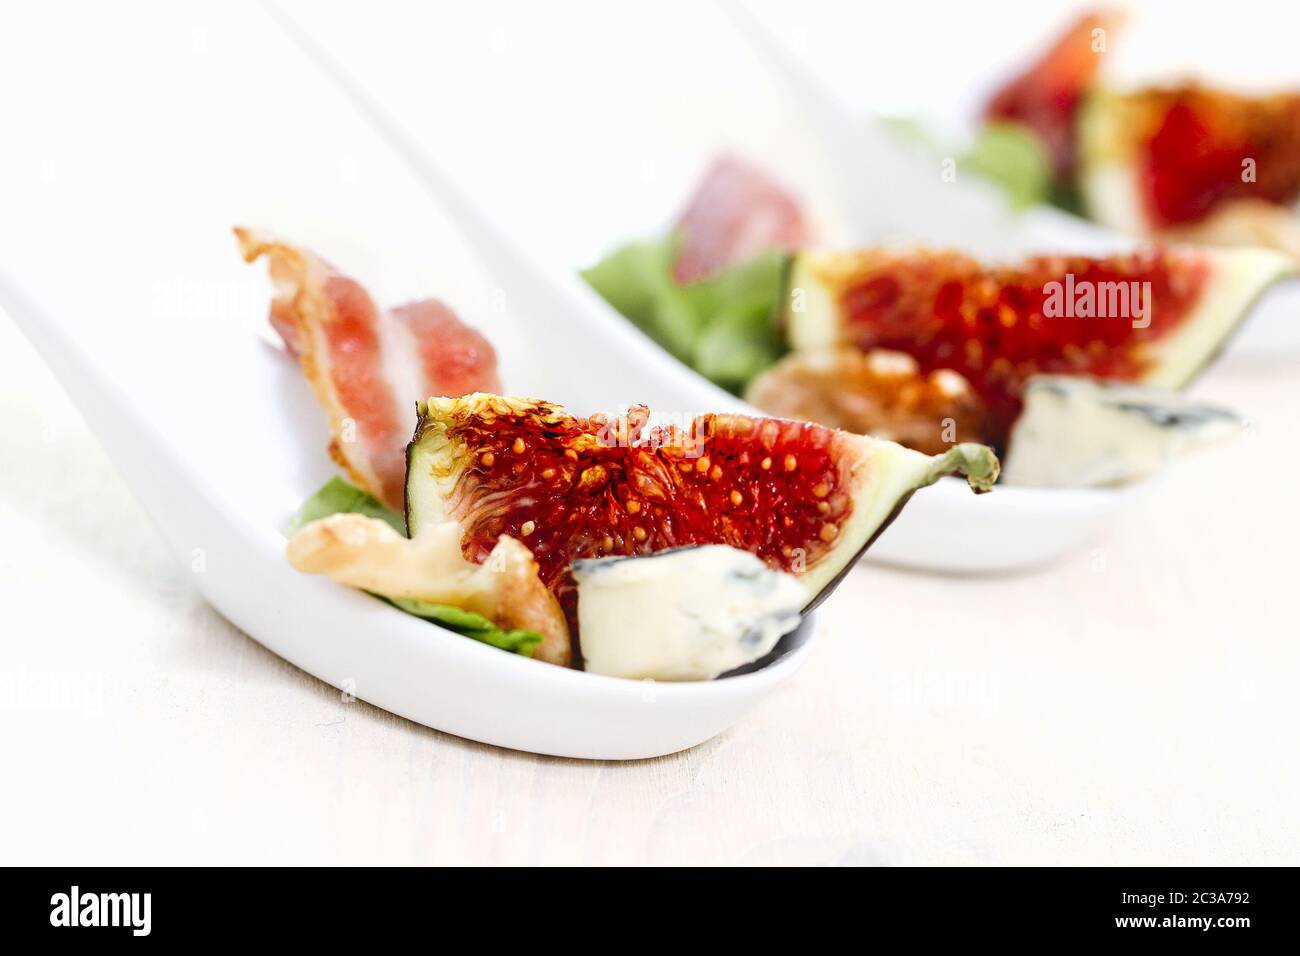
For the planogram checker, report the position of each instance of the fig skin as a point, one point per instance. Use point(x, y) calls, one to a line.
point(803, 498)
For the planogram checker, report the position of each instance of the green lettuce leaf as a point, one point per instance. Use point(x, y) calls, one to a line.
point(910, 131)
point(471, 625)
point(721, 326)
point(1008, 154)
point(738, 337)
point(337, 496)
point(1012, 156)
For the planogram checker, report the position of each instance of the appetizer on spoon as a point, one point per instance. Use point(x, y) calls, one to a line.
point(1179, 164)
point(1174, 161)
point(931, 347)
point(211, 507)
point(541, 525)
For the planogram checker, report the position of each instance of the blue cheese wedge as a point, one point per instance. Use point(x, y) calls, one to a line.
point(684, 614)
point(1080, 432)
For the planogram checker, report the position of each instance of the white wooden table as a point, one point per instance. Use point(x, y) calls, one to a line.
point(1136, 703)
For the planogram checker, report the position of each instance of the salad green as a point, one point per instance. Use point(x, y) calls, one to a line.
point(1008, 154)
point(337, 496)
point(1014, 158)
point(721, 326)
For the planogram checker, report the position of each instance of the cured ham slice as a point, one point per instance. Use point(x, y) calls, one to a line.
point(736, 213)
point(1047, 96)
point(368, 366)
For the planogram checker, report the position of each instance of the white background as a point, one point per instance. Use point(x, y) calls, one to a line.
point(1135, 703)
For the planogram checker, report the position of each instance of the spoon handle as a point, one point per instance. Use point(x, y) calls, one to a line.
point(569, 323)
point(155, 473)
point(894, 194)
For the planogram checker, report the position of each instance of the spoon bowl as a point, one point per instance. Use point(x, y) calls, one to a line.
point(218, 437)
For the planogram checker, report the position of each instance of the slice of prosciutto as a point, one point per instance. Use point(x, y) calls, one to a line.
point(737, 212)
point(368, 366)
point(1046, 97)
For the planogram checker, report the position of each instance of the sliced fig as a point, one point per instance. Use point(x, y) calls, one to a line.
point(1161, 158)
point(1046, 97)
point(803, 498)
point(1156, 315)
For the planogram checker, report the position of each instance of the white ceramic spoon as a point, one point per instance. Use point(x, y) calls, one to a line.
point(943, 528)
point(895, 198)
point(222, 509)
